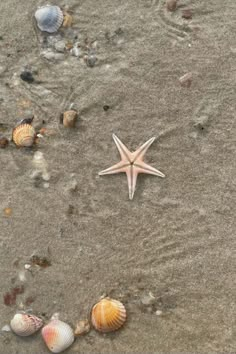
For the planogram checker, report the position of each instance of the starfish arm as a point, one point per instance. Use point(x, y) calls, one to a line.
point(117, 168)
point(141, 151)
point(124, 152)
point(131, 173)
point(143, 167)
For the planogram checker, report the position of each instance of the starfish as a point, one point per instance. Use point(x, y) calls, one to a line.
point(132, 164)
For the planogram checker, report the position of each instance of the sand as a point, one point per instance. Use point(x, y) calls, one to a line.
point(169, 254)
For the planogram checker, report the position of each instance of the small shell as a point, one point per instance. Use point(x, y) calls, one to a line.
point(58, 336)
point(24, 324)
point(108, 315)
point(24, 135)
point(49, 18)
point(70, 118)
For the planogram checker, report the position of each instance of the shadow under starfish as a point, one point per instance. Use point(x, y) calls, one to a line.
point(132, 164)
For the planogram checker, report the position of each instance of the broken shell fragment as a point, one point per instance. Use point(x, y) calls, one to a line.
point(108, 315)
point(82, 327)
point(70, 118)
point(58, 336)
point(186, 80)
point(24, 135)
point(49, 18)
point(24, 324)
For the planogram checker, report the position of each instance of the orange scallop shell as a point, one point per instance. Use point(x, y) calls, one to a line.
point(108, 315)
point(24, 135)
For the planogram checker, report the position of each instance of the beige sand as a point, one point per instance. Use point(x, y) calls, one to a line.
point(176, 239)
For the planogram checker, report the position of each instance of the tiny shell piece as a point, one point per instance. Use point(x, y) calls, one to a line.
point(171, 5)
point(70, 118)
point(24, 324)
point(67, 22)
point(58, 336)
point(82, 327)
point(108, 315)
point(24, 135)
point(187, 14)
point(49, 18)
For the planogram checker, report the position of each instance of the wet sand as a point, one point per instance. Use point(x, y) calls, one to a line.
point(176, 238)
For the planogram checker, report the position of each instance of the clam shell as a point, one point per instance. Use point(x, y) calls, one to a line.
point(108, 315)
point(24, 135)
point(70, 118)
point(58, 336)
point(24, 324)
point(49, 18)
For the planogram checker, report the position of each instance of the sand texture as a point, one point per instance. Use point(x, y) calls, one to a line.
point(169, 254)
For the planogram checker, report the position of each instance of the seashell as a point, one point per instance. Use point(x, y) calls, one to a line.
point(108, 315)
point(58, 336)
point(24, 324)
point(70, 118)
point(24, 135)
point(49, 18)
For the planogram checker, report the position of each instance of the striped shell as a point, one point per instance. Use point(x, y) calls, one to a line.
point(58, 336)
point(24, 324)
point(108, 315)
point(24, 135)
point(49, 18)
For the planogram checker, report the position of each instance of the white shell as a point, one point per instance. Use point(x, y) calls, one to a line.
point(58, 336)
point(49, 18)
point(24, 324)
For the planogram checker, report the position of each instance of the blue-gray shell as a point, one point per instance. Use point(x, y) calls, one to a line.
point(49, 18)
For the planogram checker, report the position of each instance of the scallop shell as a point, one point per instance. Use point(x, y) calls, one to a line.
point(49, 18)
point(24, 135)
point(70, 118)
point(24, 324)
point(108, 315)
point(58, 336)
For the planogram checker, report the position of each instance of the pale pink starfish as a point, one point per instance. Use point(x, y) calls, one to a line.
point(132, 164)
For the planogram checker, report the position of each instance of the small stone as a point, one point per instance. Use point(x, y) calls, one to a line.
point(90, 60)
point(6, 328)
point(27, 76)
point(106, 107)
point(82, 327)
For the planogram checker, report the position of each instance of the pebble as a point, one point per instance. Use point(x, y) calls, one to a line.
point(201, 122)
